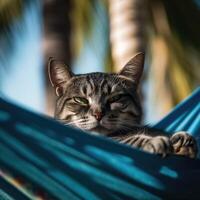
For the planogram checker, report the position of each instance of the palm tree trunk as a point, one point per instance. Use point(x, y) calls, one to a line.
point(127, 29)
point(56, 40)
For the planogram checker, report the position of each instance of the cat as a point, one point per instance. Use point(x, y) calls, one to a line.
point(109, 104)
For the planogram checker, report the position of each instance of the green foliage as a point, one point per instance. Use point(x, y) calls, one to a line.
point(184, 18)
point(10, 10)
point(81, 21)
point(176, 24)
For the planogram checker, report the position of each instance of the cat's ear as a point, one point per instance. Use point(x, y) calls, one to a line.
point(134, 68)
point(59, 74)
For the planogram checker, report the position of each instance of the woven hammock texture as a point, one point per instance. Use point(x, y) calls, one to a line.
point(40, 158)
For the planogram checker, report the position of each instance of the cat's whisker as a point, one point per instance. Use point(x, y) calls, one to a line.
point(61, 120)
point(128, 123)
point(74, 122)
point(127, 127)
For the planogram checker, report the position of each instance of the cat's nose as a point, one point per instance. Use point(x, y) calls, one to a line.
point(98, 115)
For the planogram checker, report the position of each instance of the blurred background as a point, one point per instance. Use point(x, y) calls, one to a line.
point(100, 35)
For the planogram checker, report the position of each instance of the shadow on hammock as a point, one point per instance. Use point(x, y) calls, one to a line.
point(63, 163)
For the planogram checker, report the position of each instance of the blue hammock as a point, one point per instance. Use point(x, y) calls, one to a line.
point(67, 164)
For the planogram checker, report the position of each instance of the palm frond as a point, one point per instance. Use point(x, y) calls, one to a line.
point(175, 23)
point(10, 10)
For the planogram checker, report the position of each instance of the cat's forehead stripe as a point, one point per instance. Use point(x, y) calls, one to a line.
point(95, 84)
point(102, 86)
point(90, 82)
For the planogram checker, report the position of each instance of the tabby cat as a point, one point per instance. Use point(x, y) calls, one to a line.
point(108, 104)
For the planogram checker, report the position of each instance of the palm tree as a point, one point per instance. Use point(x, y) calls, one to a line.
point(60, 20)
point(158, 27)
point(127, 32)
point(56, 40)
point(174, 45)
point(10, 11)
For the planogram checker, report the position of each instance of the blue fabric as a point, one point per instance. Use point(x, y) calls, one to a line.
point(69, 164)
point(185, 116)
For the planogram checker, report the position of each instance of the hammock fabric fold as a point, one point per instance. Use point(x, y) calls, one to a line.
point(42, 158)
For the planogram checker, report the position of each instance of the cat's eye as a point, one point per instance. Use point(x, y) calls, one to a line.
point(81, 100)
point(115, 98)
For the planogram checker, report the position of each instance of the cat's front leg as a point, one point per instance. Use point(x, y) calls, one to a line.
point(159, 145)
point(153, 144)
point(184, 144)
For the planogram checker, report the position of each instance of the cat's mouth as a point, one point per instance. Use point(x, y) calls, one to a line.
point(100, 129)
point(97, 127)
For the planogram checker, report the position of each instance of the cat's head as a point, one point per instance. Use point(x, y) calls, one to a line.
point(98, 102)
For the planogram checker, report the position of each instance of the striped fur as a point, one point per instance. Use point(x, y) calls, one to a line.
point(109, 104)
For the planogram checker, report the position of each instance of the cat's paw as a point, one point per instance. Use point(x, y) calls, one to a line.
point(184, 144)
point(159, 145)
